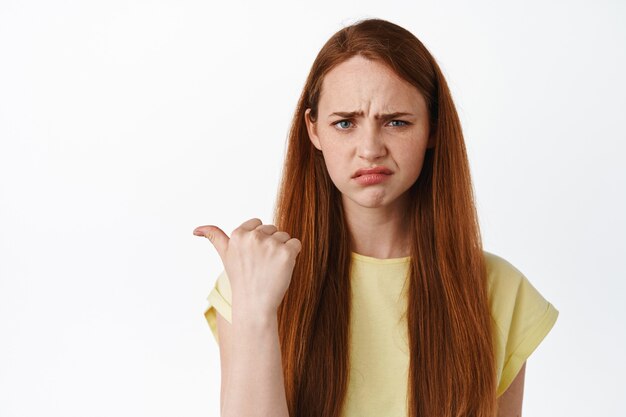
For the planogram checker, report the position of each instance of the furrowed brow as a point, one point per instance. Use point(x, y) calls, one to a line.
point(351, 114)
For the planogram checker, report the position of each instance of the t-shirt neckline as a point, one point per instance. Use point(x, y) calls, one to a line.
point(370, 259)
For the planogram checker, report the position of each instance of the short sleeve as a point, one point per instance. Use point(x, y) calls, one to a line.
point(220, 300)
point(522, 318)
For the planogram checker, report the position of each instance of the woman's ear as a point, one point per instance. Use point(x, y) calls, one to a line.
point(311, 127)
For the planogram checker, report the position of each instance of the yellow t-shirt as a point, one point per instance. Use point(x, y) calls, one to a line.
point(379, 352)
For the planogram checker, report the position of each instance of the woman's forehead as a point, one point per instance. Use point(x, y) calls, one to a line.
point(358, 83)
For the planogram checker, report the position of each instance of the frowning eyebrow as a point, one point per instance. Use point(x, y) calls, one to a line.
point(351, 114)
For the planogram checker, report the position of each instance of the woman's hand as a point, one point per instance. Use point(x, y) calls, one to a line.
point(259, 262)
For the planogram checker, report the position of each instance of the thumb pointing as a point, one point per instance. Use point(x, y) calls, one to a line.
point(216, 236)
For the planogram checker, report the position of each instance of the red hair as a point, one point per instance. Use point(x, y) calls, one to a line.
point(452, 369)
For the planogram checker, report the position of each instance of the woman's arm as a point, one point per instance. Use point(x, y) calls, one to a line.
point(510, 402)
point(251, 365)
point(260, 260)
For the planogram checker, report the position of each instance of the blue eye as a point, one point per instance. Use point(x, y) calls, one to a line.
point(401, 121)
point(342, 121)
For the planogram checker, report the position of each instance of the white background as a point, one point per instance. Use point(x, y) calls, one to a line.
point(126, 124)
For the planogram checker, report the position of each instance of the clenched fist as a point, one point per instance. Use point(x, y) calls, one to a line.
point(259, 261)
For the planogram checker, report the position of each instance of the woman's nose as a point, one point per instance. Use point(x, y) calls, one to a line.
point(371, 144)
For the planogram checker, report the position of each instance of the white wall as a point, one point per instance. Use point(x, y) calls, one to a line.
point(126, 124)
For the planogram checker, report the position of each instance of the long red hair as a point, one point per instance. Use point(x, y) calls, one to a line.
point(452, 371)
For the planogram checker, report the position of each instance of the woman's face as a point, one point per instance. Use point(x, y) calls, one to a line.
point(370, 117)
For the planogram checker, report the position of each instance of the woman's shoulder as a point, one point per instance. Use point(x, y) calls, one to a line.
point(499, 265)
point(501, 273)
point(509, 289)
point(513, 299)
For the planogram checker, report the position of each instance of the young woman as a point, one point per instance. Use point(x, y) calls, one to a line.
point(371, 295)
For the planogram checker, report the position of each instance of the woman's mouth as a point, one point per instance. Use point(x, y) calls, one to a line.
point(371, 179)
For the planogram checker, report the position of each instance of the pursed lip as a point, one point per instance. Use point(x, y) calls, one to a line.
point(376, 170)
